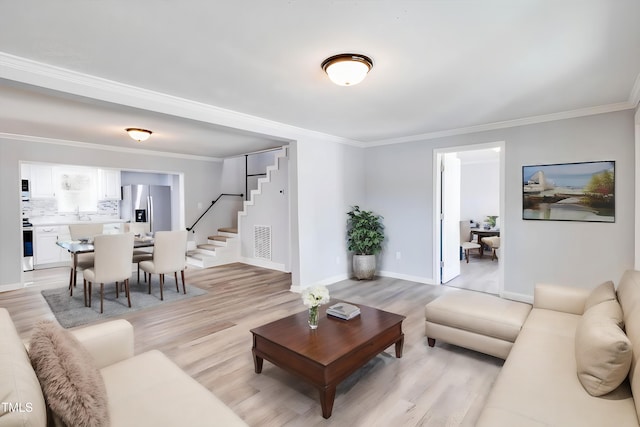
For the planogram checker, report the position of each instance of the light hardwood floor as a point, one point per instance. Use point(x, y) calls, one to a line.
point(208, 336)
point(479, 274)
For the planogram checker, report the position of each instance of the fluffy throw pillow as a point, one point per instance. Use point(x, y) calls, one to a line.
point(603, 351)
point(603, 292)
point(72, 385)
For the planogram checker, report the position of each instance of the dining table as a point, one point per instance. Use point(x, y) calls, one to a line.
point(77, 247)
point(482, 232)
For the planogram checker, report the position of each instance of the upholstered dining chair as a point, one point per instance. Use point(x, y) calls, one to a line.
point(139, 255)
point(112, 263)
point(169, 256)
point(84, 261)
point(465, 239)
point(493, 242)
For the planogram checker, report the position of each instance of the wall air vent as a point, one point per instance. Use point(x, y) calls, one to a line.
point(262, 242)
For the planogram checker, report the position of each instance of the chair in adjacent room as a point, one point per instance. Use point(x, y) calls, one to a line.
point(112, 263)
point(84, 261)
point(139, 255)
point(169, 256)
point(465, 239)
point(493, 242)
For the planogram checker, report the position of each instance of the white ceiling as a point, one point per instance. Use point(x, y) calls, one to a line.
point(438, 66)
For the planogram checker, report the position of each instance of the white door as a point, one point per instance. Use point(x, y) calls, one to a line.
point(450, 217)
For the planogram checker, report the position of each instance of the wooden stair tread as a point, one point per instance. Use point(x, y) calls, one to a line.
point(207, 246)
point(228, 230)
point(218, 238)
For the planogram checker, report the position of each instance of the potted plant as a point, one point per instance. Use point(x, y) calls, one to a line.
point(491, 220)
point(365, 234)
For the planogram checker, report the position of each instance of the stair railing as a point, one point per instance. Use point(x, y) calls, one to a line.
point(210, 206)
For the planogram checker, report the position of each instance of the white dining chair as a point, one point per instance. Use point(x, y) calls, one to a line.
point(139, 255)
point(493, 242)
point(465, 239)
point(83, 261)
point(169, 256)
point(113, 254)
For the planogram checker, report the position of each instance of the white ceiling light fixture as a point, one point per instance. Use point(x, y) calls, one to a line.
point(139, 134)
point(347, 69)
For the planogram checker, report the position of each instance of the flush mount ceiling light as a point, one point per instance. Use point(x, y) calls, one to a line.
point(347, 69)
point(139, 134)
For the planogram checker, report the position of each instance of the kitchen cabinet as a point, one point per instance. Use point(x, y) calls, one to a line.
point(46, 250)
point(41, 181)
point(112, 228)
point(109, 184)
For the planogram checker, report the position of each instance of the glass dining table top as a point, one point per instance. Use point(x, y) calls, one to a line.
point(79, 247)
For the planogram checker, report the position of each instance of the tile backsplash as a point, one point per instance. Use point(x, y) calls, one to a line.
point(37, 208)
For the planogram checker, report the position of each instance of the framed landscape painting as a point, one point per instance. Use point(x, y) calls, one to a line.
point(569, 192)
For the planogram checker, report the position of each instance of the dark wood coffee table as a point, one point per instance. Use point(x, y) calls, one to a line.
point(327, 355)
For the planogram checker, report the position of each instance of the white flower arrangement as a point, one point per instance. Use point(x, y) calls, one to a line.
point(315, 296)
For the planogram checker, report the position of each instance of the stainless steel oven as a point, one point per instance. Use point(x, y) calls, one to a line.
point(27, 246)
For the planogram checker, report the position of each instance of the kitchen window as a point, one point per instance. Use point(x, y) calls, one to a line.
point(76, 189)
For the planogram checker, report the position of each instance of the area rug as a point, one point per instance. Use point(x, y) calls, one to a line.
point(70, 311)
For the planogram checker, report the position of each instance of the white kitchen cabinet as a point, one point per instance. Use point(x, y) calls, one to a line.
point(112, 228)
point(46, 250)
point(109, 184)
point(41, 181)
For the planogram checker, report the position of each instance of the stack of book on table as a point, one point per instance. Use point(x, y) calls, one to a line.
point(343, 310)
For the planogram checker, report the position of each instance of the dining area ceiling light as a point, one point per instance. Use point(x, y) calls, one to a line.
point(347, 69)
point(139, 134)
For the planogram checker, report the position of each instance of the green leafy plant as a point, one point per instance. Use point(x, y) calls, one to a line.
point(365, 232)
point(491, 220)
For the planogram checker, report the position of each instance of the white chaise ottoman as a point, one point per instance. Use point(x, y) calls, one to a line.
point(476, 321)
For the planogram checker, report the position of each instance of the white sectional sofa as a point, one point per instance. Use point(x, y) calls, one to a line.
point(142, 390)
point(570, 360)
point(542, 381)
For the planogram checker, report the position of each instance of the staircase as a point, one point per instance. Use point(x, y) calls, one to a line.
point(223, 248)
point(283, 153)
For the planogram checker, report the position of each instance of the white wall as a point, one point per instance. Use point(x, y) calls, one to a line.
point(399, 183)
point(399, 186)
point(329, 181)
point(232, 179)
point(201, 183)
point(270, 208)
point(479, 190)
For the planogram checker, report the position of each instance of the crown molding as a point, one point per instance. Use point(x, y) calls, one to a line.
point(35, 73)
point(91, 146)
point(507, 124)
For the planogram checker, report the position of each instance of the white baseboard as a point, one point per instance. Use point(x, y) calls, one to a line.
point(334, 279)
point(517, 297)
point(11, 287)
point(326, 282)
point(419, 279)
point(264, 264)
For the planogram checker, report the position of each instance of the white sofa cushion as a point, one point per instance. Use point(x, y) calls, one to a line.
point(22, 399)
point(479, 313)
point(629, 296)
point(603, 292)
point(150, 390)
point(603, 351)
point(538, 385)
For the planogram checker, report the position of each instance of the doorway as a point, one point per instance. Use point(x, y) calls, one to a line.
point(468, 186)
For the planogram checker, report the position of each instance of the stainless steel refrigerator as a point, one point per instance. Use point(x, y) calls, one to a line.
point(147, 203)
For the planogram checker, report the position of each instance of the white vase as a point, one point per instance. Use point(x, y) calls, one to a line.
point(364, 266)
